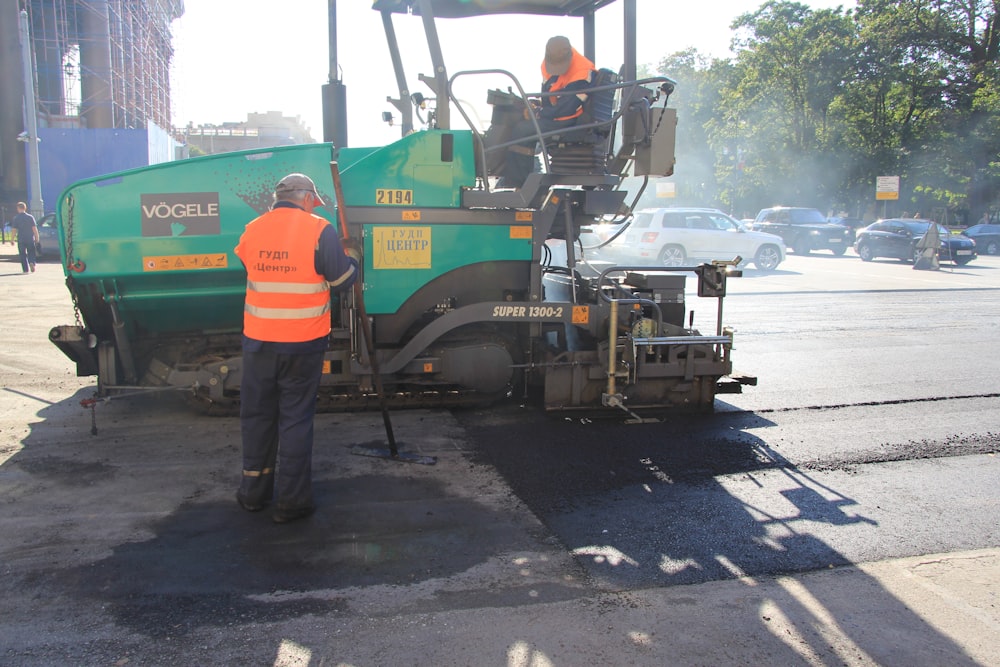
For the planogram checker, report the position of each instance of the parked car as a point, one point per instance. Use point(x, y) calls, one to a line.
point(898, 237)
point(48, 237)
point(686, 236)
point(803, 229)
point(987, 238)
point(852, 224)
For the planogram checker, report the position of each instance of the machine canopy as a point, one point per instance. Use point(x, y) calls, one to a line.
point(465, 8)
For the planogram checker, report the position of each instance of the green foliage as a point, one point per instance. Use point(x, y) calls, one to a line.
point(816, 104)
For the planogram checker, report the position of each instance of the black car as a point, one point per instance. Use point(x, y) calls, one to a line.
point(803, 229)
point(987, 238)
point(898, 237)
point(852, 224)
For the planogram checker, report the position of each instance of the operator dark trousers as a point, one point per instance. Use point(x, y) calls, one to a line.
point(518, 164)
point(277, 407)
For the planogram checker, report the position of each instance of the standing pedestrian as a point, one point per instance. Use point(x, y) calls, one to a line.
point(293, 259)
point(27, 237)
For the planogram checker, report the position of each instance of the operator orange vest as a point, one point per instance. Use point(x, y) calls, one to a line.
point(286, 300)
point(580, 69)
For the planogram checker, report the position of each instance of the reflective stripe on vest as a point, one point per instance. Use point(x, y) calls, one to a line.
point(286, 300)
point(580, 69)
point(288, 288)
point(286, 313)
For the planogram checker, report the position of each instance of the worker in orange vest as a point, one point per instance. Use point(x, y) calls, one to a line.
point(563, 69)
point(293, 259)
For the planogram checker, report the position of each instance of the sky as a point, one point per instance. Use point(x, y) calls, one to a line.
point(234, 57)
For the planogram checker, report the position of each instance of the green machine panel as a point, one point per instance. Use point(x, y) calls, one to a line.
point(424, 169)
point(158, 242)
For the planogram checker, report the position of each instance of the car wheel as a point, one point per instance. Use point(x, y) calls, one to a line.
point(767, 258)
point(672, 255)
point(865, 252)
point(992, 248)
point(801, 246)
point(839, 252)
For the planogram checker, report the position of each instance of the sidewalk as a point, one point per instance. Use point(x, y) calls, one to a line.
point(922, 611)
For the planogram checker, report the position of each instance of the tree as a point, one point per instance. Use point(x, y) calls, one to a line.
point(815, 105)
point(790, 66)
point(921, 104)
point(696, 100)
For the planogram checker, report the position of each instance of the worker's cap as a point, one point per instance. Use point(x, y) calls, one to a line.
point(293, 182)
point(558, 54)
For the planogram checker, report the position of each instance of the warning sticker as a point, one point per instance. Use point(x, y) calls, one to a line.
point(185, 262)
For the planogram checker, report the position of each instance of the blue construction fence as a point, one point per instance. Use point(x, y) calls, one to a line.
point(67, 155)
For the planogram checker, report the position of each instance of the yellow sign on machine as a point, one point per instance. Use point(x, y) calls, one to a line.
point(401, 247)
point(185, 262)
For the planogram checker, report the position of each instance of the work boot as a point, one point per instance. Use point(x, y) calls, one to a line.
point(248, 506)
point(286, 514)
point(32, 268)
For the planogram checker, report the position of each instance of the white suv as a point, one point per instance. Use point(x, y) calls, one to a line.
point(689, 236)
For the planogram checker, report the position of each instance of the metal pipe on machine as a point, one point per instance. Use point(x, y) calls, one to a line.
point(334, 92)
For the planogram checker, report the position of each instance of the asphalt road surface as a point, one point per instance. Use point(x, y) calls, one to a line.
point(869, 444)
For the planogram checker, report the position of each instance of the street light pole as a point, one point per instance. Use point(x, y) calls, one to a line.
point(35, 203)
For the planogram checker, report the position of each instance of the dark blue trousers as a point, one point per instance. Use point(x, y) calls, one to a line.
point(277, 407)
point(521, 163)
point(26, 251)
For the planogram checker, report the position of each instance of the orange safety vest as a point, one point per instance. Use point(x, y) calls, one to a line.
point(580, 69)
point(286, 300)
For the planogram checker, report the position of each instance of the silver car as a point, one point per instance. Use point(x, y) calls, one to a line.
point(48, 237)
point(688, 236)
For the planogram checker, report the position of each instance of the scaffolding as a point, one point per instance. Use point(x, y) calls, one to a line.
point(103, 63)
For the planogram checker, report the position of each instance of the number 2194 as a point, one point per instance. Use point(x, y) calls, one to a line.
point(398, 197)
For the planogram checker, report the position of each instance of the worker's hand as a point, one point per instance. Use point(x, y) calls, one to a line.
point(531, 109)
point(352, 248)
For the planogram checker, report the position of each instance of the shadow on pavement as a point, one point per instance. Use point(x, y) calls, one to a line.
point(697, 499)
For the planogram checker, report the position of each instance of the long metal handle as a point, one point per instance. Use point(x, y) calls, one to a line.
point(359, 304)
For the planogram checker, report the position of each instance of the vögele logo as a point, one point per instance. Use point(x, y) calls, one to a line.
point(180, 214)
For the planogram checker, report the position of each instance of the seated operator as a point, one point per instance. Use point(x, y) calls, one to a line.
point(563, 69)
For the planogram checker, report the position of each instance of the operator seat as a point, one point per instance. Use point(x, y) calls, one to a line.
point(578, 156)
